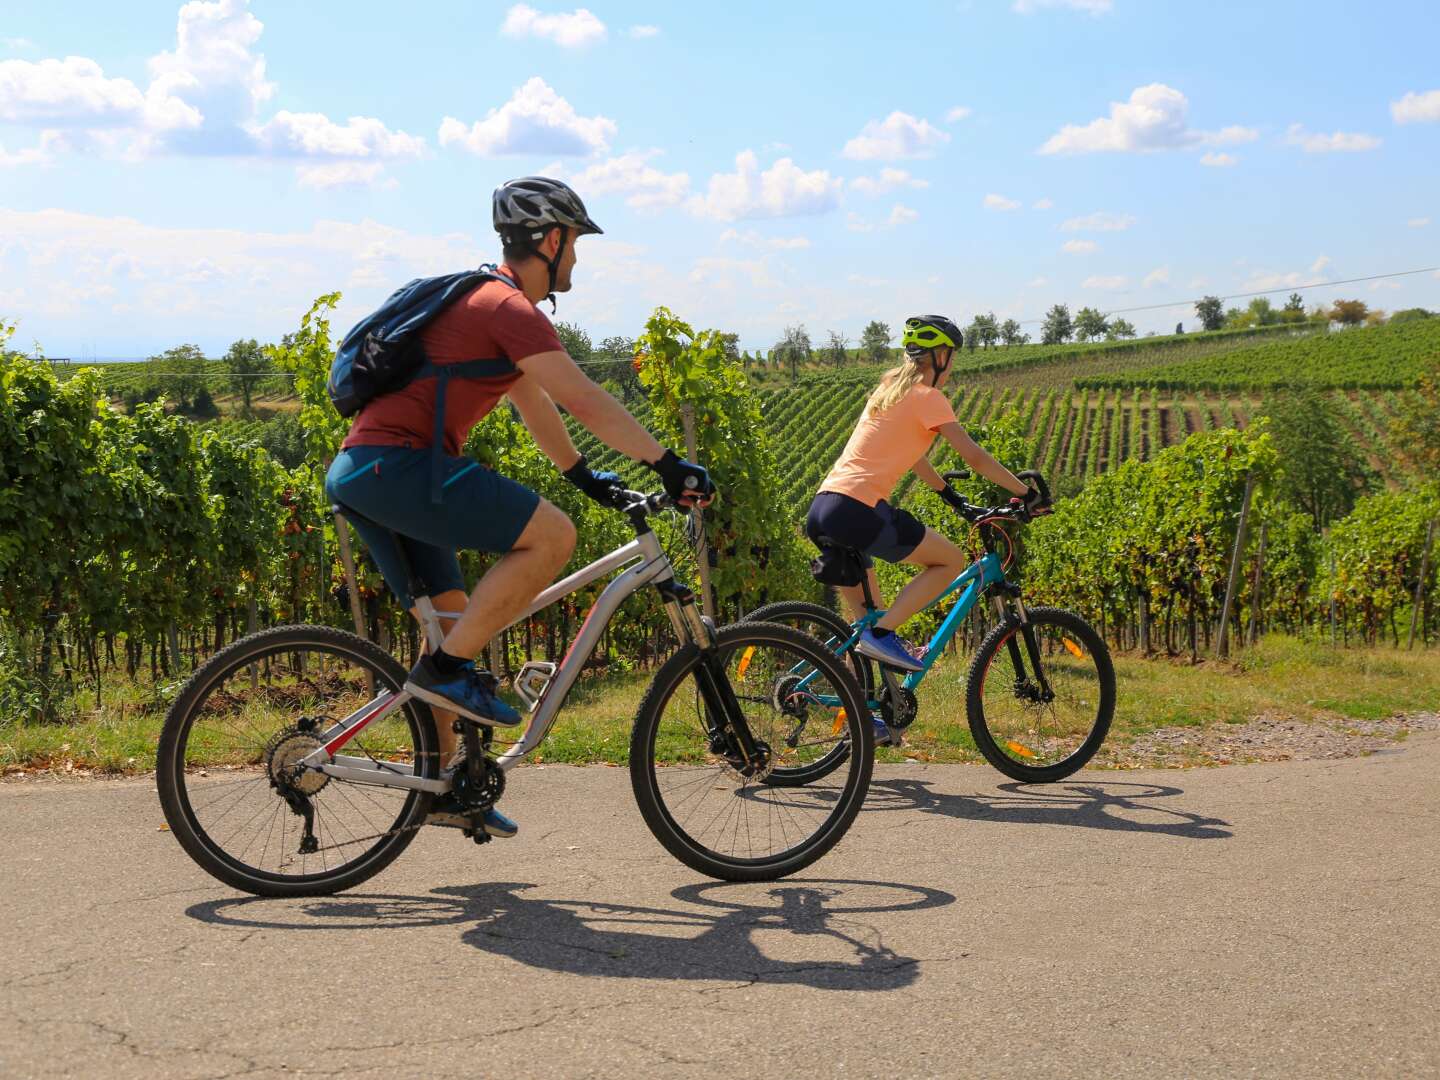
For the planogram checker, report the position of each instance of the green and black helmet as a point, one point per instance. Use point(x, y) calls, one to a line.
point(926, 332)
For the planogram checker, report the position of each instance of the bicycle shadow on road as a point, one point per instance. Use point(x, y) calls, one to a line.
point(814, 933)
point(1091, 804)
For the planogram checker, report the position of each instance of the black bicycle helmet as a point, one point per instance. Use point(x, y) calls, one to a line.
point(525, 208)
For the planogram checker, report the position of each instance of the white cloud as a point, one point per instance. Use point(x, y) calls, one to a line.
point(1155, 118)
point(999, 202)
point(902, 215)
point(1043, 204)
point(1100, 221)
point(1337, 142)
point(1079, 247)
point(316, 135)
point(1262, 281)
point(17, 43)
point(1418, 222)
point(855, 223)
point(644, 186)
point(643, 31)
point(536, 120)
point(1416, 108)
point(1089, 7)
point(751, 238)
point(1319, 265)
point(1038, 283)
point(75, 93)
point(43, 154)
point(1376, 286)
point(1158, 276)
point(899, 135)
point(1107, 283)
point(570, 30)
point(1218, 161)
point(958, 113)
point(888, 180)
point(344, 174)
point(783, 190)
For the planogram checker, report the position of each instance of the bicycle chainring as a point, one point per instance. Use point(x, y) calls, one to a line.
point(899, 710)
point(475, 798)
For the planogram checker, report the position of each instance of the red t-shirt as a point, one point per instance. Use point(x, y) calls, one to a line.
point(493, 322)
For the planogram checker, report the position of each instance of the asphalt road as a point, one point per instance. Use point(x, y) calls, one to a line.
point(1268, 920)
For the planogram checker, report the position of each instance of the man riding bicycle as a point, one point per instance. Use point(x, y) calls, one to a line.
point(384, 466)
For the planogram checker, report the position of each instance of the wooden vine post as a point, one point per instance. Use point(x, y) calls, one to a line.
point(1255, 591)
point(1222, 640)
point(1420, 583)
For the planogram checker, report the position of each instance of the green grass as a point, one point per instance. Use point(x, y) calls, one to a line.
point(1282, 677)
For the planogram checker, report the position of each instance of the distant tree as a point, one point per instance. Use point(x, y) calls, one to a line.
point(614, 360)
point(246, 363)
point(1416, 431)
point(1011, 334)
point(576, 342)
point(987, 329)
point(793, 349)
point(837, 348)
point(1210, 312)
point(1057, 327)
point(1375, 317)
point(875, 342)
point(1090, 324)
point(1120, 328)
point(1349, 312)
point(203, 406)
point(1412, 314)
point(1238, 319)
point(1295, 303)
point(1179, 329)
point(1323, 469)
point(179, 374)
point(1263, 313)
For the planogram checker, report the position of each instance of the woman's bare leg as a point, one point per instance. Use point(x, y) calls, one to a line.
point(942, 562)
point(853, 596)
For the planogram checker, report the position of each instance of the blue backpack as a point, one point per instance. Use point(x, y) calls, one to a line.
point(382, 352)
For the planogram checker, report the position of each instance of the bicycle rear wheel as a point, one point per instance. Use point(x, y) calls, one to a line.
point(831, 631)
point(710, 806)
point(1024, 736)
point(227, 770)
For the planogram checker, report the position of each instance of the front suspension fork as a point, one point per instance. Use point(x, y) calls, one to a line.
point(1032, 646)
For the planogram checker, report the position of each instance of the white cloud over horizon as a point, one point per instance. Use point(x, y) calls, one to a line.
point(999, 202)
point(1338, 142)
point(1079, 247)
point(783, 190)
point(569, 30)
point(888, 180)
point(1100, 221)
point(1087, 7)
point(899, 135)
point(536, 120)
point(1218, 160)
point(1155, 118)
point(1416, 108)
point(644, 186)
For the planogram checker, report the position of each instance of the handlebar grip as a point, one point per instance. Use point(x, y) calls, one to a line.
point(1044, 488)
point(955, 474)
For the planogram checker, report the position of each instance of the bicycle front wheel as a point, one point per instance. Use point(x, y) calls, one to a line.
point(1024, 732)
point(710, 803)
point(230, 772)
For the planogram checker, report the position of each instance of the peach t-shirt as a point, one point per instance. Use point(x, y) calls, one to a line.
point(883, 447)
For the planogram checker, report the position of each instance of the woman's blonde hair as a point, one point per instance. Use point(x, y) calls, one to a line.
point(895, 384)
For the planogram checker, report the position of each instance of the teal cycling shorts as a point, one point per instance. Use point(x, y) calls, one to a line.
point(479, 510)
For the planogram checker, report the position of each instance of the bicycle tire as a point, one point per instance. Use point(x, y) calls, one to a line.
point(644, 769)
point(804, 615)
point(170, 773)
point(980, 667)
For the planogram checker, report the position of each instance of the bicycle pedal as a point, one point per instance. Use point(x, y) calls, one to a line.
point(449, 821)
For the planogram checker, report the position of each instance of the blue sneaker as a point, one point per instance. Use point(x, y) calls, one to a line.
point(497, 824)
point(466, 692)
point(883, 735)
point(889, 650)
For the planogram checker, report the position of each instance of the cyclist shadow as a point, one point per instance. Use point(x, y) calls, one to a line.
point(817, 931)
point(1091, 804)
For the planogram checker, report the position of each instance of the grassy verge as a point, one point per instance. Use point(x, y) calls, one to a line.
point(1283, 677)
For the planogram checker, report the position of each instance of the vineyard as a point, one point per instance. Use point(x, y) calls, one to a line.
point(134, 542)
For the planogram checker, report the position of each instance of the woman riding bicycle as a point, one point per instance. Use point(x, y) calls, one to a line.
point(896, 429)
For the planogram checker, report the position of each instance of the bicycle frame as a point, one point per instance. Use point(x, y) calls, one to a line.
point(642, 562)
point(974, 580)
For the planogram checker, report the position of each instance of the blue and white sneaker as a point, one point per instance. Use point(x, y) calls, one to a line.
point(883, 735)
point(497, 824)
point(889, 650)
point(466, 692)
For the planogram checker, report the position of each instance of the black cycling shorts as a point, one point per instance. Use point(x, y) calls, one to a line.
point(881, 531)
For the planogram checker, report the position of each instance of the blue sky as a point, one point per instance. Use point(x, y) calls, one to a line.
point(199, 173)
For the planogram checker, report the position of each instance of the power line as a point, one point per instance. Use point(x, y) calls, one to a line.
point(1259, 292)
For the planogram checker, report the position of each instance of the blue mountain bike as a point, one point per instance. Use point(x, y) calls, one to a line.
point(1041, 689)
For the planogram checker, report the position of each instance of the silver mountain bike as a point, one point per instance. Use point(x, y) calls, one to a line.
point(294, 763)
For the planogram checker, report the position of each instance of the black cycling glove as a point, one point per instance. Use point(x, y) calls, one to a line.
point(600, 486)
point(683, 479)
point(1033, 500)
point(952, 498)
